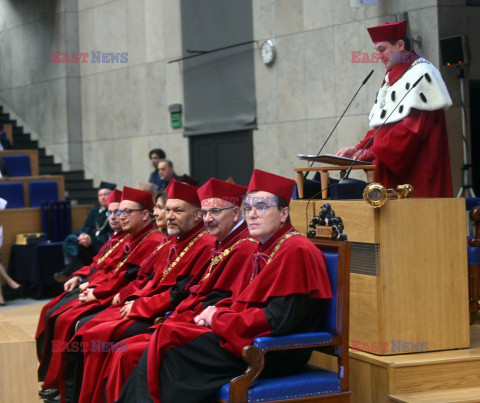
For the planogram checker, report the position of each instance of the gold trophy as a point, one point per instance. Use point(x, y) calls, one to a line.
point(376, 195)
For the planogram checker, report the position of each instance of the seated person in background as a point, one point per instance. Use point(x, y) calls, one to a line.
point(155, 156)
point(279, 291)
point(166, 172)
point(80, 247)
point(412, 145)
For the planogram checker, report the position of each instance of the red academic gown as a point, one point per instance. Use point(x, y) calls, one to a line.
point(413, 150)
point(217, 283)
point(277, 292)
point(136, 249)
point(181, 265)
point(99, 261)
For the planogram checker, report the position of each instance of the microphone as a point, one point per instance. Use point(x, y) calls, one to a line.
point(345, 178)
point(341, 117)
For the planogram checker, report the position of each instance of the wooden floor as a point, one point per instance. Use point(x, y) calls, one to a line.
point(433, 377)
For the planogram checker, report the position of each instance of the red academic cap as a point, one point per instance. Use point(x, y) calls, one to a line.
point(139, 196)
point(388, 32)
point(182, 191)
point(114, 197)
point(218, 189)
point(278, 185)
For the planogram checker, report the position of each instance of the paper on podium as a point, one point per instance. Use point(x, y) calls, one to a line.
point(332, 159)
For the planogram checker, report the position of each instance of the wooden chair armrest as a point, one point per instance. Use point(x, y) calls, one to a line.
point(475, 216)
point(255, 359)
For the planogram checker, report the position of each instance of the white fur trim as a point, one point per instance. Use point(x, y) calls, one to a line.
point(430, 94)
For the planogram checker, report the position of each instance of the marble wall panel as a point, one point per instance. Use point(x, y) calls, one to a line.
point(172, 29)
point(320, 72)
point(156, 112)
point(88, 4)
point(317, 14)
point(263, 19)
point(155, 36)
point(288, 17)
point(135, 23)
point(350, 38)
point(290, 66)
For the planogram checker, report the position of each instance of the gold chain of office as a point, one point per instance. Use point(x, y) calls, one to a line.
point(124, 261)
point(277, 247)
point(217, 259)
point(108, 252)
point(182, 253)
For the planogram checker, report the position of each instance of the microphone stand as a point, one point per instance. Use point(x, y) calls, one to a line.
point(341, 117)
point(345, 178)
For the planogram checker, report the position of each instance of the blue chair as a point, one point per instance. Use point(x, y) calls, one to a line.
point(473, 253)
point(41, 191)
point(12, 192)
point(18, 165)
point(314, 383)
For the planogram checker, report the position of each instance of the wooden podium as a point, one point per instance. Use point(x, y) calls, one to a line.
point(408, 282)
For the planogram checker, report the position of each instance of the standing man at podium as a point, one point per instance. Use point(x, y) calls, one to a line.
point(411, 145)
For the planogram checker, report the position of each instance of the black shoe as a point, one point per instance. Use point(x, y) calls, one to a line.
point(13, 293)
point(61, 277)
point(49, 393)
point(55, 399)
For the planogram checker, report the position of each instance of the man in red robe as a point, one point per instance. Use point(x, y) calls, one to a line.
point(142, 241)
point(408, 122)
point(110, 254)
point(280, 290)
point(221, 203)
point(176, 268)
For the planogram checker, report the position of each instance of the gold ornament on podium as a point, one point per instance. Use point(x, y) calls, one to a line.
point(376, 195)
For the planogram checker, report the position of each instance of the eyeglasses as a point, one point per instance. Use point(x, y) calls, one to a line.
point(257, 210)
point(111, 212)
point(214, 212)
point(127, 212)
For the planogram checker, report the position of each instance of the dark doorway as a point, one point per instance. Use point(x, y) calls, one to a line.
point(222, 155)
point(475, 134)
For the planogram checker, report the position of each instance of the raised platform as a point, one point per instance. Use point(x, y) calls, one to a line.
point(443, 376)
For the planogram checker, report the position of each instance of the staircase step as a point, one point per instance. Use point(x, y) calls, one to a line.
point(440, 396)
point(51, 169)
point(84, 200)
point(85, 184)
point(45, 160)
point(83, 194)
point(74, 175)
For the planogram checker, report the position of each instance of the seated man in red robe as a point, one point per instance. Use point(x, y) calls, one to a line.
point(220, 203)
point(142, 241)
point(411, 145)
point(279, 291)
point(110, 254)
point(177, 267)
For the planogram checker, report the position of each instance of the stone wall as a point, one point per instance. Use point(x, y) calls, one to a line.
point(124, 106)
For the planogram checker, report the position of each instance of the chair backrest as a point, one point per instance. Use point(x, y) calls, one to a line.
point(56, 220)
point(12, 192)
point(18, 165)
point(331, 260)
point(337, 260)
point(41, 191)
